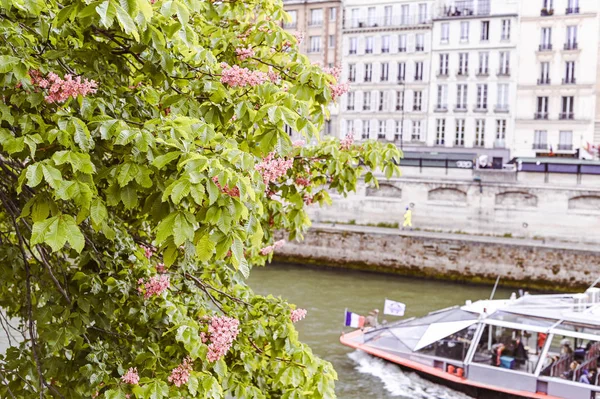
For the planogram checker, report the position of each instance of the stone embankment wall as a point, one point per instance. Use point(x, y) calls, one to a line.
point(496, 208)
point(519, 263)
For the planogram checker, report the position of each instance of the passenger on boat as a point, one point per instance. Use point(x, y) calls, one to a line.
point(566, 347)
point(568, 375)
point(497, 350)
point(520, 353)
point(587, 377)
point(541, 341)
point(371, 319)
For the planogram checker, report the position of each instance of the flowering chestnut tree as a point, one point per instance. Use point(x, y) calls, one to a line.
point(144, 170)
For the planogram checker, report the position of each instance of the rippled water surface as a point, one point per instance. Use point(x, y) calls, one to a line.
point(325, 293)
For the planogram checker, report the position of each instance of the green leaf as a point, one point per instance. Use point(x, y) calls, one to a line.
point(205, 248)
point(82, 136)
point(126, 22)
point(56, 232)
point(7, 62)
point(107, 13)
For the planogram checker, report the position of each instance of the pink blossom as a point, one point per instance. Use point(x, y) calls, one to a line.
point(154, 286)
point(299, 143)
point(160, 268)
point(148, 252)
point(273, 76)
point(302, 181)
point(131, 376)
point(299, 35)
point(347, 142)
point(204, 337)
point(222, 331)
point(278, 244)
point(59, 89)
point(233, 118)
point(308, 199)
point(244, 53)
point(232, 192)
point(339, 89)
point(297, 315)
point(272, 168)
point(335, 72)
point(268, 249)
point(241, 77)
point(181, 374)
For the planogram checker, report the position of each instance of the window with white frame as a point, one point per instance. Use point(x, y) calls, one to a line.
point(459, 138)
point(385, 71)
point(504, 63)
point(445, 36)
point(387, 15)
point(382, 106)
point(444, 61)
point(294, 20)
point(331, 41)
point(385, 44)
point(381, 133)
point(464, 31)
point(461, 97)
point(567, 107)
point(500, 132)
point(422, 13)
point(544, 72)
point(367, 101)
point(442, 97)
point(400, 100)
point(350, 128)
point(366, 130)
point(502, 104)
point(401, 71)
point(315, 44)
point(353, 45)
point(417, 100)
point(351, 72)
point(573, 7)
point(463, 64)
point(368, 72)
point(332, 13)
point(571, 43)
point(485, 31)
point(548, 4)
point(350, 101)
point(399, 130)
point(569, 72)
point(482, 97)
point(483, 7)
point(419, 70)
point(355, 17)
point(565, 140)
point(546, 41)
point(484, 61)
point(440, 132)
point(540, 140)
point(316, 17)
point(479, 133)
point(404, 14)
point(402, 43)
point(542, 107)
point(419, 42)
point(416, 131)
point(369, 45)
point(371, 16)
point(505, 32)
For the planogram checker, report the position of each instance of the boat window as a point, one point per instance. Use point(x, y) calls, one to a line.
point(454, 347)
point(579, 327)
point(509, 348)
point(572, 359)
point(522, 319)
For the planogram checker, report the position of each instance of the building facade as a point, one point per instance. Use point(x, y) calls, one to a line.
point(386, 58)
point(320, 21)
point(557, 91)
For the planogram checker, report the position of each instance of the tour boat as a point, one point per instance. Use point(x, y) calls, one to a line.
point(535, 346)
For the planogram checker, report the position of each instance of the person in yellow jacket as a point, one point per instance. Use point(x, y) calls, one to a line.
point(407, 218)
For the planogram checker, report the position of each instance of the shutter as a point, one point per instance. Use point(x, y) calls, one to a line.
point(411, 43)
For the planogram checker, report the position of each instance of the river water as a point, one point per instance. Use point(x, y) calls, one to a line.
point(325, 293)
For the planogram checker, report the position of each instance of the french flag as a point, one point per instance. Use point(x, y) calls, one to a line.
point(354, 320)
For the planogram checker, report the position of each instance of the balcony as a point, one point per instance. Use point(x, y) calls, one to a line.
point(389, 21)
point(419, 78)
point(420, 48)
point(417, 108)
point(441, 108)
point(543, 81)
point(449, 12)
point(367, 79)
point(368, 51)
point(352, 51)
point(482, 109)
point(546, 12)
point(504, 72)
point(565, 147)
point(569, 81)
point(399, 108)
point(572, 10)
point(570, 46)
point(442, 74)
point(460, 108)
point(499, 143)
point(501, 108)
point(290, 25)
point(351, 79)
point(545, 47)
point(540, 146)
point(316, 22)
point(462, 74)
point(402, 49)
point(566, 116)
point(482, 73)
point(385, 50)
point(540, 115)
point(401, 79)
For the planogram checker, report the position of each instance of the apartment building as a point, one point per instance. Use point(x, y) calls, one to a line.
point(386, 58)
point(473, 77)
point(558, 111)
point(320, 21)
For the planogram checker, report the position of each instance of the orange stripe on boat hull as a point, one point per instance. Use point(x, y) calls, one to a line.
point(345, 340)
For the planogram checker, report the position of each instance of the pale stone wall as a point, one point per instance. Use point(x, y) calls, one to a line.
point(490, 208)
point(519, 263)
